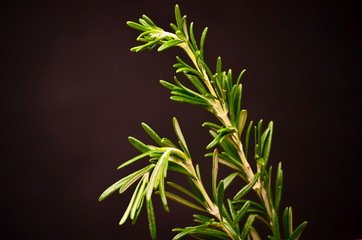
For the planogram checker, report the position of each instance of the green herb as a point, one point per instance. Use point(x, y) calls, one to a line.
point(221, 96)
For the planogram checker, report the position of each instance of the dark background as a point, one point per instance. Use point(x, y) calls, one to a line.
point(73, 92)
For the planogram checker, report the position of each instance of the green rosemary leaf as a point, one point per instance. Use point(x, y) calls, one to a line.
point(227, 159)
point(213, 126)
point(169, 85)
point(202, 44)
point(218, 68)
point(151, 218)
point(298, 231)
point(155, 177)
point(263, 138)
point(184, 27)
point(231, 153)
point(137, 26)
point(187, 93)
point(119, 184)
point(247, 188)
point(185, 150)
point(162, 193)
point(268, 141)
point(130, 205)
point(275, 221)
point(241, 74)
point(228, 180)
point(134, 220)
point(139, 145)
point(219, 79)
point(179, 134)
point(177, 65)
point(228, 129)
point(231, 209)
point(136, 158)
point(246, 145)
point(198, 173)
point(252, 204)
point(143, 22)
point(186, 231)
point(182, 62)
point(187, 192)
point(229, 82)
point(189, 100)
point(249, 222)
point(148, 20)
point(134, 177)
point(230, 100)
point(167, 142)
point(202, 218)
point(174, 27)
point(216, 140)
point(209, 234)
point(241, 121)
point(278, 186)
point(215, 170)
point(140, 196)
point(220, 195)
point(178, 168)
point(169, 44)
point(196, 82)
point(114, 187)
point(268, 189)
point(240, 214)
point(230, 230)
point(258, 133)
point(145, 46)
point(192, 37)
point(288, 222)
point(183, 201)
point(258, 212)
point(237, 100)
point(152, 134)
point(188, 70)
point(178, 16)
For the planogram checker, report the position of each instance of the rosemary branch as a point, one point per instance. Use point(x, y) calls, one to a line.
point(218, 94)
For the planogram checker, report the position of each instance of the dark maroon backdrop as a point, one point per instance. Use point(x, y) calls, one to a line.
point(73, 92)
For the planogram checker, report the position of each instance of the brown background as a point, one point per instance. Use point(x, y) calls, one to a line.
point(73, 92)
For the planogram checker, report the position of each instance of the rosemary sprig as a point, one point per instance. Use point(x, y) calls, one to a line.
point(220, 95)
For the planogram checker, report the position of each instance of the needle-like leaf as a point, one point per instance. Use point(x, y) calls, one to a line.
point(152, 134)
point(151, 218)
point(183, 201)
point(240, 214)
point(138, 144)
point(178, 187)
point(298, 231)
point(156, 174)
point(249, 222)
point(145, 154)
point(247, 188)
point(215, 170)
point(278, 186)
point(178, 132)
